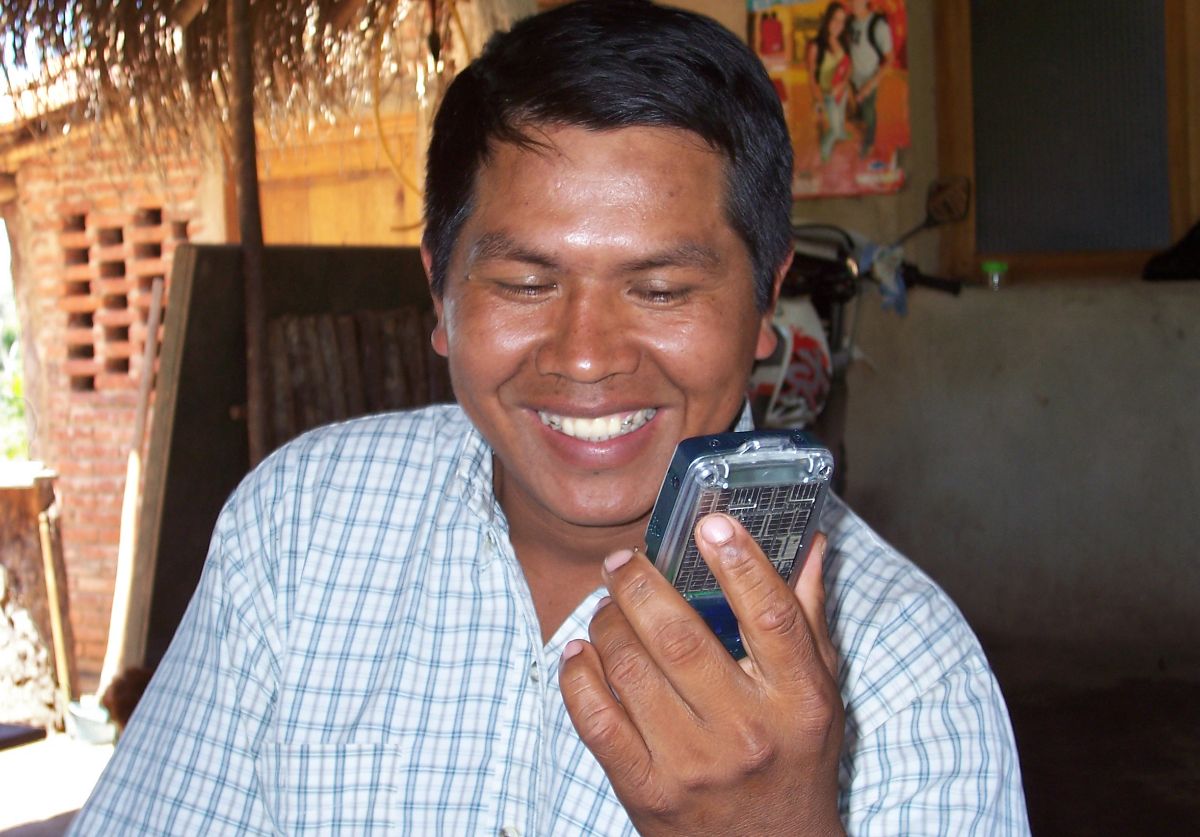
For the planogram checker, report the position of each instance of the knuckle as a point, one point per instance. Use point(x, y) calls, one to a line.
point(599, 725)
point(633, 588)
point(778, 615)
point(754, 748)
point(679, 642)
point(623, 664)
point(655, 797)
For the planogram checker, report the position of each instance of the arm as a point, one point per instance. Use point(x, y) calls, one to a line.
point(814, 89)
point(943, 764)
point(186, 764)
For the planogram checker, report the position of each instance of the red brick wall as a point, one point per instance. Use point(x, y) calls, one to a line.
point(92, 232)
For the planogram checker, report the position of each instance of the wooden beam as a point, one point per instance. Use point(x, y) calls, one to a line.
point(956, 125)
point(245, 164)
point(186, 11)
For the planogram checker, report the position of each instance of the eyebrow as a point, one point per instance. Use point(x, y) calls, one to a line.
point(498, 245)
point(687, 254)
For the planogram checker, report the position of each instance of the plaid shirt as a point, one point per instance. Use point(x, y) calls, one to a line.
point(362, 656)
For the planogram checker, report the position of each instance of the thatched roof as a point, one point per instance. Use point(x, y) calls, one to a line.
point(159, 69)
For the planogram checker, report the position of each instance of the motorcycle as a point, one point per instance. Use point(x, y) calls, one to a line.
point(803, 384)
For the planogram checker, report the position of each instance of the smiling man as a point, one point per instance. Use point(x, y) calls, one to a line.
point(441, 621)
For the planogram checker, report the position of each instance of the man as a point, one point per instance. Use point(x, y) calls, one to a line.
point(438, 622)
point(871, 53)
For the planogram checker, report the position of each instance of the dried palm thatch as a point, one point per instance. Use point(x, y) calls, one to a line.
point(158, 71)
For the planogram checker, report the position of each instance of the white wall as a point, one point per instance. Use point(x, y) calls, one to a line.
point(1037, 450)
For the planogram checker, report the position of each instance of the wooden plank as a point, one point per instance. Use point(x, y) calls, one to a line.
point(347, 338)
point(332, 366)
point(54, 572)
point(127, 568)
point(198, 441)
point(1112, 263)
point(198, 447)
point(956, 126)
point(283, 421)
point(1183, 113)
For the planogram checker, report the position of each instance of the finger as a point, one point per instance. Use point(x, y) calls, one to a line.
point(810, 592)
point(646, 693)
point(773, 625)
point(601, 721)
point(675, 639)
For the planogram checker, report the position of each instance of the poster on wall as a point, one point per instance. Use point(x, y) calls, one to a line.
point(841, 69)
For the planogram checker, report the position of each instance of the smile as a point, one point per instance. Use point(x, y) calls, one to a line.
point(599, 429)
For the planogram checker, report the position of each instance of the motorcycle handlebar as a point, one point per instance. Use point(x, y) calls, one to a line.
point(913, 277)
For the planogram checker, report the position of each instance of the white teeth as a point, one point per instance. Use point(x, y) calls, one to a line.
point(597, 429)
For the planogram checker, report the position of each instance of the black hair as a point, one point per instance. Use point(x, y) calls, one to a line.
point(607, 64)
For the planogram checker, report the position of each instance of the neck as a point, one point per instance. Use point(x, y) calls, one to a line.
point(561, 560)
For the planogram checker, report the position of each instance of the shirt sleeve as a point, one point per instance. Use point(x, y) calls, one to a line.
point(186, 763)
point(944, 764)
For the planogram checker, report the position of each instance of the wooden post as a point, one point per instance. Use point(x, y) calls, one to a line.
point(118, 623)
point(245, 164)
point(52, 563)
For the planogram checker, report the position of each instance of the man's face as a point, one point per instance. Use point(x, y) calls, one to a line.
point(860, 7)
point(598, 308)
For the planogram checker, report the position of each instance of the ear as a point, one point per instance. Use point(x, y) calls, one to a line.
point(438, 339)
point(767, 338)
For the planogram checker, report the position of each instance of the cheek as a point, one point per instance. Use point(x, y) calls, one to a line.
point(703, 352)
point(481, 337)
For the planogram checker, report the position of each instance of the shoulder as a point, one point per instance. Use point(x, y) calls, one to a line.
point(897, 633)
point(344, 471)
point(366, 448)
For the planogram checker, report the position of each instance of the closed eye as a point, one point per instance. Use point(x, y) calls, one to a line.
point(662, 296)
point(519, 287)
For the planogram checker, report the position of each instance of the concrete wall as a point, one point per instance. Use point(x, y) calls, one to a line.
point(1037, 451)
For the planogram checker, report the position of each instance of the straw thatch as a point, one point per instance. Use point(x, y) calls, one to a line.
point(159, 70)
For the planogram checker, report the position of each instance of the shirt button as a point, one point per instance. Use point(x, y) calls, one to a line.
point(510, 831)
point(535, 673)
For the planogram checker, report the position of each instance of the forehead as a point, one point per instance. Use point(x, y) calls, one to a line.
point(643, 182)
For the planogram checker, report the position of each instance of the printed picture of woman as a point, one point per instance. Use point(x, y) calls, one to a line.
point(828, 61)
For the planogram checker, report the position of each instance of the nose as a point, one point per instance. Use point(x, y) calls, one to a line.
point(588, 340)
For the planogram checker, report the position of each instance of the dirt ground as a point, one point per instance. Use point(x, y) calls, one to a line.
point(46, 782)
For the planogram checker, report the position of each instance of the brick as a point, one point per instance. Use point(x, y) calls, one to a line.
point(81, 368)
point(110, 253)
point(80, 272)
point(78, 304)
point(75, 240)
point(148, 235)
point(72, 207)
point(148, 267)
point(114, 317)
point(79, 336)
point(109, 220)
point(115, 381)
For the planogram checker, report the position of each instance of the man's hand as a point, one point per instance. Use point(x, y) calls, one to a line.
point(693, 741)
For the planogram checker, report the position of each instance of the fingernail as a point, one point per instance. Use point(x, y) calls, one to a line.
point(716, 529)
point(617, 560)
point(605, 600)
point(572, 649)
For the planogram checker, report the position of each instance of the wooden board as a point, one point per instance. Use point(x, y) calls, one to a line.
point(198, 451)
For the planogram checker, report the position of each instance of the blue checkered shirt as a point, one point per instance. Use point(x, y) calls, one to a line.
point(362, 656)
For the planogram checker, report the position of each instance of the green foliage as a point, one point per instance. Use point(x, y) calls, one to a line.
point(13, 444)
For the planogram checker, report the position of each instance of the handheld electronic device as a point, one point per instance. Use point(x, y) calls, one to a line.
point(773, 481)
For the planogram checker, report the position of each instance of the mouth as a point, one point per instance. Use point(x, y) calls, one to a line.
point(599, 429)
